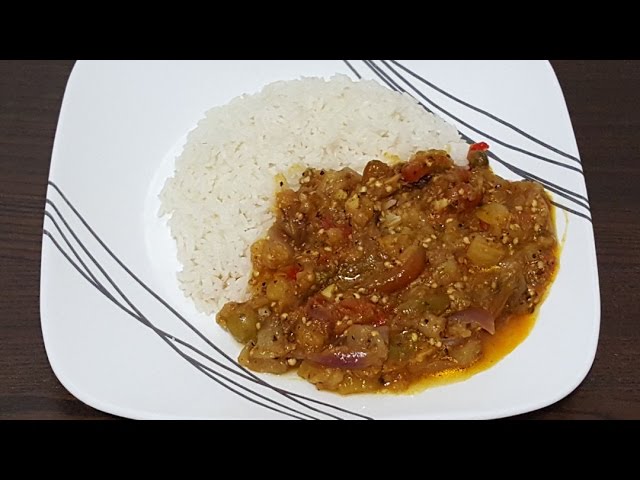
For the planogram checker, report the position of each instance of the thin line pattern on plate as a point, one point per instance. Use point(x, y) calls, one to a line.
point(390, 78)
point(56, 218)
point(303, 407)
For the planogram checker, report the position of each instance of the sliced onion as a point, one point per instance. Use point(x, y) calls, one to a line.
point(389, 203)
point(320, 313)
point(366, 346)
point(384, 333)
point(341, 359)
point(479, 316)
point(399, 277)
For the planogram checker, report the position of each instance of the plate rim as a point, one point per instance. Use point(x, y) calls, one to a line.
point(121, 411)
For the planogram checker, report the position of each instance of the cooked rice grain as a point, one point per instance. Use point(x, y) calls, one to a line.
point(220, 197)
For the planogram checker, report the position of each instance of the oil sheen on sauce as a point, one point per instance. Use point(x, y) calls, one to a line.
point(510, 333)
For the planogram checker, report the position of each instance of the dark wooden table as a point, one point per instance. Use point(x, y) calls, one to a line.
point(605, 107)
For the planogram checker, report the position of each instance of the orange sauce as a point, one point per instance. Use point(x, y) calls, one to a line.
point(509, 335)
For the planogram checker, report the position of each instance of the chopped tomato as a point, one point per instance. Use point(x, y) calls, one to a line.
point(414, 171)
point(327, 223)
point(292, 271)
point(425, 163)
point(362, 311)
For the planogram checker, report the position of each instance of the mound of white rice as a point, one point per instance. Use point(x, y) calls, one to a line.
point(221, 196)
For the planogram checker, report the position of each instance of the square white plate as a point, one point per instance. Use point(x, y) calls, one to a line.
point(121, 337)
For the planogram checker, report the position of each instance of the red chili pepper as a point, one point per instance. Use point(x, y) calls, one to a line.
point(479, 147)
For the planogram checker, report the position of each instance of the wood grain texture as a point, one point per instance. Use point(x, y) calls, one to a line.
point(604, 106)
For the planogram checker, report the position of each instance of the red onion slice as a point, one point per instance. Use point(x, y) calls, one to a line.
point(341, 359)
point(479, 316)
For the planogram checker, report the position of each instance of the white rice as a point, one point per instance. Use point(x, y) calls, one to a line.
point(220, 197)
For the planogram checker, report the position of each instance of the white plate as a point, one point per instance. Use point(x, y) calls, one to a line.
point(121, 125)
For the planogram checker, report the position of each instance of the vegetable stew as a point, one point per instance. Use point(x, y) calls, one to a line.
point(375, 281)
